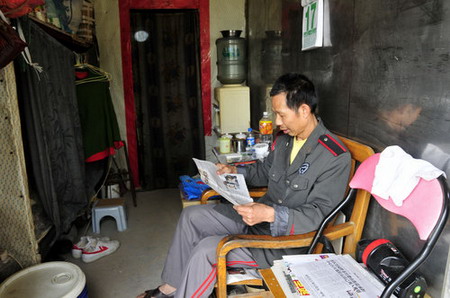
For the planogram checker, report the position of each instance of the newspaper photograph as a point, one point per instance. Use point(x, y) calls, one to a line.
point(231, 186)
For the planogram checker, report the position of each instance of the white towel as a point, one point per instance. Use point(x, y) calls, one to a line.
point(397, 174)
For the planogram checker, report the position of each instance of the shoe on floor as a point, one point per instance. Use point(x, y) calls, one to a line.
point(77, 248)
point(85, 241)
point(100, 249)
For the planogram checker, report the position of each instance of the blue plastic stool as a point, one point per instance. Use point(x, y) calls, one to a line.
point(109, 207)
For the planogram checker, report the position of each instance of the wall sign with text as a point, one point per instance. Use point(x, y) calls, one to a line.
point(312, 33)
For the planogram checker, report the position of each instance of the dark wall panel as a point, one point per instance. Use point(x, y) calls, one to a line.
point(384, 80)
point(262, 16)
point(330, 67)
point(400, 79)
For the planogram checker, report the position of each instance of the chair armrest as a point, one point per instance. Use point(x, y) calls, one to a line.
point(257, 192)
point(206, 194)
point(231, 242)
point(254, 193)
point(266, 241)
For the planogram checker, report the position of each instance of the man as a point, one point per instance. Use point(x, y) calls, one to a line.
point(306, 175)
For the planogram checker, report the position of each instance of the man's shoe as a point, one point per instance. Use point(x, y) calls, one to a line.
point(156, 293)
point(100, 249)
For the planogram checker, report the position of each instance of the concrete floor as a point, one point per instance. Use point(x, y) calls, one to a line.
point(136, 266)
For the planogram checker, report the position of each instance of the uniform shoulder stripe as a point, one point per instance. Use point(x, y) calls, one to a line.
point(331, 145)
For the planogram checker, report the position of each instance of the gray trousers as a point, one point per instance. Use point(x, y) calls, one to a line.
point(191, 262)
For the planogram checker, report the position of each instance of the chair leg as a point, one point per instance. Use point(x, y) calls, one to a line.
point(95, 223)
point(121, 220)
point(221, 277)
point(93, 219)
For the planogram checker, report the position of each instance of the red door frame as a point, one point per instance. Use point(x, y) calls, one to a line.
point(205, 65)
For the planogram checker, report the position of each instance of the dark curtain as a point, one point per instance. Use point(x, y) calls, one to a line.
point(167, 94)
point(51, 128)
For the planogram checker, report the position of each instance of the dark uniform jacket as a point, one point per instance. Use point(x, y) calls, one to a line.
point(302, 193)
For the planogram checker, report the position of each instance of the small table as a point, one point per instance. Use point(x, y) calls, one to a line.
point(272, 283)
point(234, 158)
point(185, 203)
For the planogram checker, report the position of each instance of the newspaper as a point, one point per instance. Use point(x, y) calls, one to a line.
point(325, 275)
point(230, 186)
point(241, 274)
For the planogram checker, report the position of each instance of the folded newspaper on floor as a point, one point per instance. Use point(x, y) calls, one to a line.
point(230, 186)
point(325, 275)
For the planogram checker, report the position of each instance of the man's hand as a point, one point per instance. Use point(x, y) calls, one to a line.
point(225, 169)
point(255, 213)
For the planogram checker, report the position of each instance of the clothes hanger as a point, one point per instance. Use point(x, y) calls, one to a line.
point(100, 74)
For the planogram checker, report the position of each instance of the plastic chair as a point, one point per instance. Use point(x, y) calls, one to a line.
point(426, 207)
point(351, 229)
point(109, 207)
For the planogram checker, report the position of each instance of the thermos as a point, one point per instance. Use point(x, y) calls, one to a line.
point(387, 262)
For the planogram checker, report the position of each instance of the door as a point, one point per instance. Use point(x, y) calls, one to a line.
point(165, 53)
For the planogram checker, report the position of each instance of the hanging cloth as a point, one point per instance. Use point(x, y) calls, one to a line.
point(101, 135)
point(18, 8)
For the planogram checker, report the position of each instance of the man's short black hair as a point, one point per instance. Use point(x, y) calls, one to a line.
point(299, 90)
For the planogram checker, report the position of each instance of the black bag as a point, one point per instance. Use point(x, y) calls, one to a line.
point(10, 43)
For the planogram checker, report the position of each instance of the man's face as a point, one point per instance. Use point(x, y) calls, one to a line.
point(290, 122)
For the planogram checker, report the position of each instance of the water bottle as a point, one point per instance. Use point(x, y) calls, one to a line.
point(250, 142)
point(266, 128)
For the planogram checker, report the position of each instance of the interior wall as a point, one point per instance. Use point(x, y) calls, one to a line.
point(17, 233)
point(382, 80)
point(108, 38)
point(260, 21)
point(224, 15)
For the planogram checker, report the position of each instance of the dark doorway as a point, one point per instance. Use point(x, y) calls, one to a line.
point(165, 53)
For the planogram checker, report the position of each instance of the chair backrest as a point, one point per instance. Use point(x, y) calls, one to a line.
point(426, 207)
point(427, 197)
point(359, 153)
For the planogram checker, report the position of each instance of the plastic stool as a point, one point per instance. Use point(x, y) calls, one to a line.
point(109, 207)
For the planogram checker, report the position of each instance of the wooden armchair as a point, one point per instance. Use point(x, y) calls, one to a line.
point(351, 229)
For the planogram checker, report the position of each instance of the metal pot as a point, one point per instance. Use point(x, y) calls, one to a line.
point(238, 145)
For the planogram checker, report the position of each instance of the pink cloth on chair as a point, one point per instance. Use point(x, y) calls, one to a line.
point(422, 207)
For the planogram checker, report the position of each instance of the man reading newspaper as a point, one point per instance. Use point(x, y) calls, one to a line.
point(306, 176)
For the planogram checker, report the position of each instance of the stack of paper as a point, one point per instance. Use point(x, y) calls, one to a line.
point(325, 275)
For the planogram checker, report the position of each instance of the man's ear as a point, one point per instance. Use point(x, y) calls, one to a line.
point(304, 110)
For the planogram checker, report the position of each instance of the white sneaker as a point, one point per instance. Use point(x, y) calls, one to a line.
point(85, 241)
point(98, 250)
